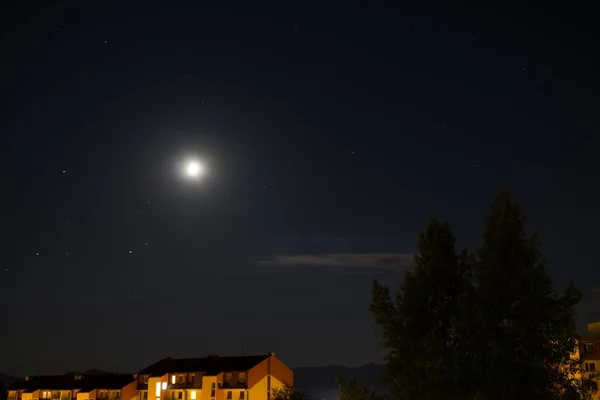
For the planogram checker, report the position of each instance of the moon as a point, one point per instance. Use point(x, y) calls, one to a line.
point(194, 169)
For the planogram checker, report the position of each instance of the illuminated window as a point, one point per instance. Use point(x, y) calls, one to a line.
point(164, 385)
point(157, 389)
point(193, 395)
point(173, 378)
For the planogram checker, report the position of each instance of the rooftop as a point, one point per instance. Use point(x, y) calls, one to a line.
point(83, 382)
point(209, 365)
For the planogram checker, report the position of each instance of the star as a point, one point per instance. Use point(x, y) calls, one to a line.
point(37, 254)
point(64, 171)
point(130, 251)
point(106, 41)
point(146, 244)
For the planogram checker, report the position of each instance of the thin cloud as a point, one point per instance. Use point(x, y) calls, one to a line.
point(342, 260)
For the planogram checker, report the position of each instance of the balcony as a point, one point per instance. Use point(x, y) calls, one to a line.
point(235, 385)
point(185, 385)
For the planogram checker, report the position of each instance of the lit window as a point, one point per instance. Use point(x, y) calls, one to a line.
point(193, 396)
point(164, 386)
point(173, 378)
point(157, 389)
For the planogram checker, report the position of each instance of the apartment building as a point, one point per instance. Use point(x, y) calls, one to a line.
point(209, 378)
point(75, 387)
point(214, 378)
point(589, 352)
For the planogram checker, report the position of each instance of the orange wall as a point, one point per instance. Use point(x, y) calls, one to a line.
point(282, 372)
point(129, 391)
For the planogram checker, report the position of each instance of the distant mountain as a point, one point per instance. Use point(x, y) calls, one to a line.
point(6, 380)
point(319, 382)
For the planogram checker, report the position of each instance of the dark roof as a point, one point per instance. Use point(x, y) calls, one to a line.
point(68, 382)
point(208, 365)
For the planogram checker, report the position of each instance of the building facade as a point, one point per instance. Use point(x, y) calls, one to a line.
point(209, 378)
point(588, 350)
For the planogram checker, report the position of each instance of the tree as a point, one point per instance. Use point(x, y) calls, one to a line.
point(288, 393)
point(523, 332)
point(422, 326)
point(353, 390)
point(485, 326)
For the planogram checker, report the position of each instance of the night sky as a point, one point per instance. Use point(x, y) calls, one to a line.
point(330, 134)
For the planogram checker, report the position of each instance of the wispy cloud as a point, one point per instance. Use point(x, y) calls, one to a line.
point(342, 260)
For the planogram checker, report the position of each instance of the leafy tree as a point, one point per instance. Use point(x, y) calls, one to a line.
point(421, 327)
point(523, 332)
point(288, 393)
point(485, 326)
point(353, 390)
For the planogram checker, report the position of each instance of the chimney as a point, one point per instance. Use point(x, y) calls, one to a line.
point(594, 329)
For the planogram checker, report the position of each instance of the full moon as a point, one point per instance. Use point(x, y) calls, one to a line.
point(194, 169)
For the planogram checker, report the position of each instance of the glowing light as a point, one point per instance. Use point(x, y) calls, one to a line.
point(164, 385)
point(194, 169)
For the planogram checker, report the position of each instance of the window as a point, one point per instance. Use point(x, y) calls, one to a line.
point(146, 379)
point(173, 379)
point(193, 395)
point(179, 378)
point(229, 395)
point(242, 377)
point(589, 347)
point(180, 395)
point(164, 386)
point(157, 389)
point(590, 366)
point(213, 387)
point(144, 395)
point(228, 376)
point(191, 378)
point(242, 395)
